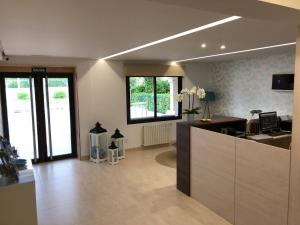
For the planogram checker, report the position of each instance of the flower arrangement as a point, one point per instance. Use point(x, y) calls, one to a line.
point(8, 160)
point(194, 92)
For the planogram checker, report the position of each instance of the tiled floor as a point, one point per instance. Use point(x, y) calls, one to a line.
point(137, 191)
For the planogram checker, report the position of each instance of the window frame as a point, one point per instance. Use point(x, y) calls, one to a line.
point(155, 118)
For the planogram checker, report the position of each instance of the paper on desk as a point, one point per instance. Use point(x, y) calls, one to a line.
point(259, 137)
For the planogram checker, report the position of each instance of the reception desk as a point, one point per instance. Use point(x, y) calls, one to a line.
point(244, 181)
point(183, 132)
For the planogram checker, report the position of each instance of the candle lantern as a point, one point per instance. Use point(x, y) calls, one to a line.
point(118, 138)
point(113, 155)
point(98, 144)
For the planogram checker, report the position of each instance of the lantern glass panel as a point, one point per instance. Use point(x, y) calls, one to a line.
point(113, 156)
point(110, 156)
point(120, 143)
point(94, 152)
point(102, 153)
point(116, 155)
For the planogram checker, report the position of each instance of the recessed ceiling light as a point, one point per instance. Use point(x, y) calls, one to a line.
point(203, 45)
point(222, 47)
point(236, 52)
point(197, 29)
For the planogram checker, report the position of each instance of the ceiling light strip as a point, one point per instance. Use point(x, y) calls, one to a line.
point(236, 52)
point(204, 27)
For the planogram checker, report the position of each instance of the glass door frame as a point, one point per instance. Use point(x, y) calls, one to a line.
point(40, 111)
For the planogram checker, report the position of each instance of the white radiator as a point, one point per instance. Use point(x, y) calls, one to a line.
point(156, 134)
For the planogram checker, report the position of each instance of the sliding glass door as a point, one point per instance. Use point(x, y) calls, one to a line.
point(38, 115)
point(58, 119)
point(20, 103)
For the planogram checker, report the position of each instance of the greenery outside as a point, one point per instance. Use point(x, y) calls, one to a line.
point(57, 82)
point(59, 95)
point(13, 83)
point(24, 82)
point(142, 91)
point(22, 96)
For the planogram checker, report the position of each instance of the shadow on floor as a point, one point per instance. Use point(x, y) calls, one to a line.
point(167, 158)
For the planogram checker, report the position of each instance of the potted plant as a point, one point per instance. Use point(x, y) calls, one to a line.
point(195, 92)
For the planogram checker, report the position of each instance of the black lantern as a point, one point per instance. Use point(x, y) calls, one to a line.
point(98, 129)
point(118, 138)
point(98, 143)
point(113, 155)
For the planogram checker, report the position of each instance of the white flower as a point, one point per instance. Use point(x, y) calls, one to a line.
point(184, 91)
point(193, 90)
point(179, 97)
point(201, 93)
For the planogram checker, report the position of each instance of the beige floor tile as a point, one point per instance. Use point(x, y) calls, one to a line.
point(137, 191)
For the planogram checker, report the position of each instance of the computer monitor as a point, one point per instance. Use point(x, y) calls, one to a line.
point(268, 121)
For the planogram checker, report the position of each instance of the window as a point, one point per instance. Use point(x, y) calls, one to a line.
point(152, 99)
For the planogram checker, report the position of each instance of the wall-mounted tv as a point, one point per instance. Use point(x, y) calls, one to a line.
point(284, 82)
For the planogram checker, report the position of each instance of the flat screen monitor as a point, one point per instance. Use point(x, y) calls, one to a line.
point(284, 82)
point(268, 121)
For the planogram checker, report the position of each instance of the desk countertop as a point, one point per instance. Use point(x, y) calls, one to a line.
point(282, 141)
point(217, 120)
point(266, 136)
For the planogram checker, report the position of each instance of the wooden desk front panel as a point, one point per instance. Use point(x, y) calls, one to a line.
point(213, 171)
point(262, 184)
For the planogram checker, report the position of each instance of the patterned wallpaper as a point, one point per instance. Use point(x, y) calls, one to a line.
point(245, 84)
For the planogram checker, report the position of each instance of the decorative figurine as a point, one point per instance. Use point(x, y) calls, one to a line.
point(8, 155)
point(7, 168)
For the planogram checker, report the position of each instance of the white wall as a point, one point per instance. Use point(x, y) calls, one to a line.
point(197, 74)
point(107, 93)
point(102, 95)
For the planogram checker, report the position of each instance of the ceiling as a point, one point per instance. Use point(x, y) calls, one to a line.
point(237, 35)
point(247, 8)
point(98, 28)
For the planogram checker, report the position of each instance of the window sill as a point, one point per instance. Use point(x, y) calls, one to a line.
point(152, 120)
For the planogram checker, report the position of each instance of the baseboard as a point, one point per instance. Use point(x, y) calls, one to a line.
point(84, 157)
point(87, 157)
point(134, 149)
point(151, 147)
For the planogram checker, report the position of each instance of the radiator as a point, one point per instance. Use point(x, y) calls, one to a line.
point(156, 134)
